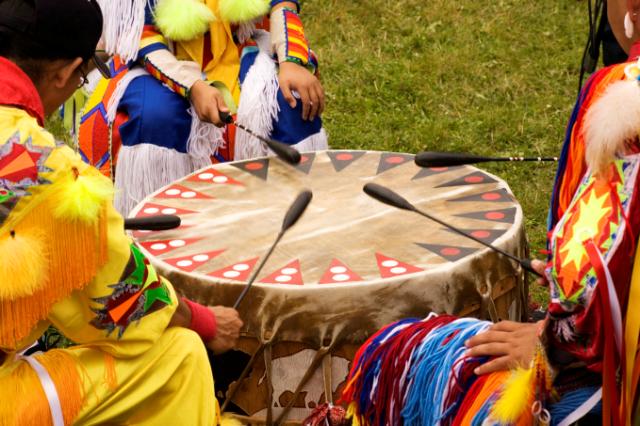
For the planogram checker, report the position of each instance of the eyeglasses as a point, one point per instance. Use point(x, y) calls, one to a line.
point(84, 80)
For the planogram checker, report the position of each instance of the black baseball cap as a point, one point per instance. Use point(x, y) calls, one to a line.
point(57, 29)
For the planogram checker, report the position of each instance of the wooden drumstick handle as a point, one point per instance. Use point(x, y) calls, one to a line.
point(387, 196)
point(282, 150)
point(294, 213)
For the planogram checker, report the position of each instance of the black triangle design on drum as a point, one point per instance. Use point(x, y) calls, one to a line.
point(502, 215)
point(342, 159)
point(497, 196)
point(389, 160)
point(450, 253)
point(486, 235)
point(258, 168)
point(430, 171)
point(306, 161)
point(474, 178)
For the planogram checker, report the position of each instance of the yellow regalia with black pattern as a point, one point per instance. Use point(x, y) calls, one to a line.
point(66, 260)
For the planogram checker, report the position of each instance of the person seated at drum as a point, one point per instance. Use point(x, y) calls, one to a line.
point(591, 261)
point(66, 260)
point(189, 68)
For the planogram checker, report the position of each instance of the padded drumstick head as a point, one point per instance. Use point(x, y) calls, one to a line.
point(446, 159)
point(282, 150)
point(152, 223)
point(297, 208)
point(387, 196)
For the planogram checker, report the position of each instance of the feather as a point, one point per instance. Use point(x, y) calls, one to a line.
point(22, 264)
point(81, 197)
point(611, 121)
point(183, 20)
point(516, 397)
point(242, 10)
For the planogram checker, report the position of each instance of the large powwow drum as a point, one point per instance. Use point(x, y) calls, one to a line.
point(348, 267)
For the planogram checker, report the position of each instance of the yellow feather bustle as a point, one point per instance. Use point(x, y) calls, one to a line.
point(183, 20)
point(81, 197)
point(22, 259)
point(243, 10)
point(516, 397)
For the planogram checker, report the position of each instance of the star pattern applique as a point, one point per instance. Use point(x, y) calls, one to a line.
point(595, 216)
point(138, 293)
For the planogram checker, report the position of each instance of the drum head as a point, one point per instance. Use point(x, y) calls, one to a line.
point(231, 213)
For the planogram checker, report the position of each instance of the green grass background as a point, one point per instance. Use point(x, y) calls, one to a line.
point(489, 77)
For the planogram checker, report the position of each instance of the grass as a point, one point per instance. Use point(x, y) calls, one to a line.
point(488, 77)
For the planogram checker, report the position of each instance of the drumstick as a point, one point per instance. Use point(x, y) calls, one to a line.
point(282, 150)
point(387, 196)
point(152, 223)
point(448, 159)
point(296, 209)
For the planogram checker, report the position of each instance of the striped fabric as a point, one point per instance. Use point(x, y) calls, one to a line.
point(297, 46)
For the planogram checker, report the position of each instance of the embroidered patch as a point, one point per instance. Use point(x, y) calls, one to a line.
point(595, 214)
point(139, 293)
point(20, 168)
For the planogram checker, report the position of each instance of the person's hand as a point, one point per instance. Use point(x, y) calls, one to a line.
point(539, 266)
point(296, 77)
point(227, 330)
point(510, 344)
point(207, 102)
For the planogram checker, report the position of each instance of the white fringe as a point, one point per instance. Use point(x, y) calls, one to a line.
point(204, 138)
point(258, 100)
point(145, 168)
point(316, 142)
point(611, 121)
point(118, 93)
point(123, 23)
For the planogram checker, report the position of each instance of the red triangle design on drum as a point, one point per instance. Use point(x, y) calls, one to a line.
point(389, 160)
point(342, 159)
point(390, 267)
point(182, 193)
point(497, 196)
point(238, 271)
point(193, 261)
point(211, 175)
point(164, 246)
point(338, 272)
point(143, 234)
point(289, 274)
point(152, 209)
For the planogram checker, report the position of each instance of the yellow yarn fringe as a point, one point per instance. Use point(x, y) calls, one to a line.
point(76, 252)
point(22, 264)
point(23, 401)
point(110, 375)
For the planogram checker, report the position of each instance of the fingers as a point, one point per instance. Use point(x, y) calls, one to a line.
point(539, 266)
point(486, 338)
point(285, 86)
point(507, 326)
point(499, 364)
point(306, 103)
point(320, 94)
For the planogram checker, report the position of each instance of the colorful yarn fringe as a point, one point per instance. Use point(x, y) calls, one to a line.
point(415, 372)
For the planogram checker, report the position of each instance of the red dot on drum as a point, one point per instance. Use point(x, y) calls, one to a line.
point(450, 251)
point(474, 179)
point(494, 215)
point(481, 234)
point(253, 166)
point(304, 159)
point(490, 196)
point(394, 160)
point(344, 157)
